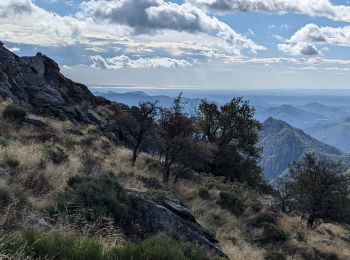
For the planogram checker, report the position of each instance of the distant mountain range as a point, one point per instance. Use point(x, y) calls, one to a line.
point(135, 97)
point(283, 143)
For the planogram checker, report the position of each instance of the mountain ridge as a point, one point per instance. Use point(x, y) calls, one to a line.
point(283, 143)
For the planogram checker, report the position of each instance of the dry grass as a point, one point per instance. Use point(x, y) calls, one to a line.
point(231, 231)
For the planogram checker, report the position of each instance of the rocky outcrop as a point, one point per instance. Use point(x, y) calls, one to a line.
point(37, 84)
point(171, 215)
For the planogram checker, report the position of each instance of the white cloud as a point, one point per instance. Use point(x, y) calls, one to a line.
point(316, 34)
point(15, 49)
point(14, 8)
point(320, 8)
point(150, 16)
point(299, 48)
point(123, 62)
point(304, 41)
point(22, 21)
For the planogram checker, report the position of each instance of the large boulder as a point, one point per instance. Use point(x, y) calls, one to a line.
point(37, 83)
point(169, 214)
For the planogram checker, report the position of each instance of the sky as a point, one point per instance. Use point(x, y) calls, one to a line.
point(211, 44)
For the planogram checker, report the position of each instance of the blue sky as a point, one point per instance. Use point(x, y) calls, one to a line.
point(225, 44)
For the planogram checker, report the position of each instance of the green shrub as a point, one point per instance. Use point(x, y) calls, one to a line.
point(34, 244)
point(274, 255)
point(256, 206)
point(229, 201)
point(272, 233)
point(160, 247)
point(151, 182)
point(101, 196)
point(57, 155)
point(37, 183)
point(301, 236)
point(265, 217)
point(90, 162)
point(12, 246)
point(88, 141)
point(14, 113)
point(5, 196)
point(152, 164)
point(11, 162)
point(203, 193)
point(157, 194)
point(55, 246)
point(4, 141)
point(326, 255)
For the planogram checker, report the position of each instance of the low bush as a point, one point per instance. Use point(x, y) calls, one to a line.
point(273, 233)
point(301, 236)
point(153, 164)
point(5, 196)
point(203, 193)
point(11, 162)
point(14, 113)
point(151, 182)
point(229, 201)
point(57, 155)
point(100, 196)
point(34, 244)
point(161, 246)
point(4, 141)
point(325, 255)
point(90, 162)
point(37, 183)
point(157, 194)
point(265, 217)
point(256, 206)
point(274, 255)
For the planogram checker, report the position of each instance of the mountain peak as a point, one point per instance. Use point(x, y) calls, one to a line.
point(283, 143)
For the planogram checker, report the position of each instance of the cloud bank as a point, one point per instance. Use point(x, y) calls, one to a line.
point(304, 41)
point(151, 16)
point(124, 62)
point(319, 8)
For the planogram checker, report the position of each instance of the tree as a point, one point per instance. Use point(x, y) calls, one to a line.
point(319, 189)
point(281, 189)
point(175, 129)
point(140, 121)
point(234, 131)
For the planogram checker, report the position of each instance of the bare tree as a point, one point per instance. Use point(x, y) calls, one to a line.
point(175, 129)
point(140, 122)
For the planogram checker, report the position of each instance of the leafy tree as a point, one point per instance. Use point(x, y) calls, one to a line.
point(234, 131)
point(319, 189)
point(176, 129)
point(140, 122)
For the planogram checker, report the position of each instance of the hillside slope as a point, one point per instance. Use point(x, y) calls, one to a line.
point(68, 189)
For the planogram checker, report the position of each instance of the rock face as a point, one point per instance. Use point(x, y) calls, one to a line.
point(37, 84)
point(171, 215)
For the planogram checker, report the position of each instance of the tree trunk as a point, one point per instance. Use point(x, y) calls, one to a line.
point(166, 172)
point(134, 155)
point(311, 221)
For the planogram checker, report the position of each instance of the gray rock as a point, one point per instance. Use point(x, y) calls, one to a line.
point(37, 84)
point(35, 121)
point(171, 215)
